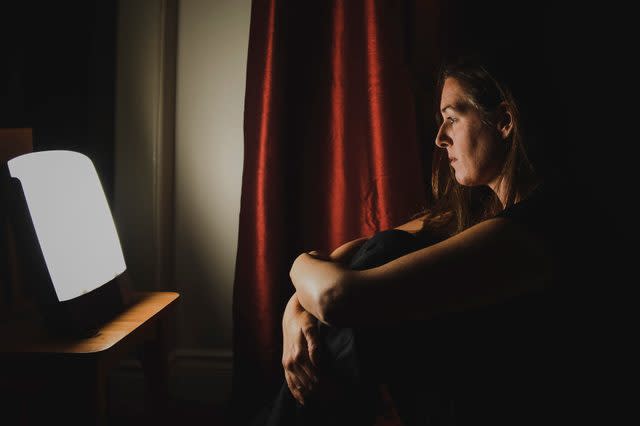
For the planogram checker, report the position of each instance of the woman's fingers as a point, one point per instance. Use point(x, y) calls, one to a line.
point(299, 372)
point(310, 333)
point(307, 340)
point(299, 384)
point(306, 376)
point(300, 355)
point(294, 387)
point(319, 255)
point(298, 363)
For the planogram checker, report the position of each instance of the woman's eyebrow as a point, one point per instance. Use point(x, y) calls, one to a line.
point(460, 107)
point(448, 107)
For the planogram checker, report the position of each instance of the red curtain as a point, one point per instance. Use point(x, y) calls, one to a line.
point(331, 154)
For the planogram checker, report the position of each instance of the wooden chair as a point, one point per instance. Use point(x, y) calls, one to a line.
point(13, 296)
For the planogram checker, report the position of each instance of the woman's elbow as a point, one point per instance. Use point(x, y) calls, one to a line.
point(328, 303)
point(333, 305)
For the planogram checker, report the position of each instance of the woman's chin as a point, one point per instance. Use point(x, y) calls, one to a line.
point(464, 181)
point(469, 182)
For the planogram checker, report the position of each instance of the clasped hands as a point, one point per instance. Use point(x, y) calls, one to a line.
point(301, 354)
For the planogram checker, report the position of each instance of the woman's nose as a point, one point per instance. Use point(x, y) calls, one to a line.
point(442, 139)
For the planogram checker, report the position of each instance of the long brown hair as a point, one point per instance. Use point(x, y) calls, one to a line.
point(457, 207)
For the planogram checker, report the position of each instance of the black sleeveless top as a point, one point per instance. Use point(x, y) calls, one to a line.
point(494, 362)
point(384, 246)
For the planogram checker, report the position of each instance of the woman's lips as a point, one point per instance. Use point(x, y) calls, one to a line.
point(451, 159)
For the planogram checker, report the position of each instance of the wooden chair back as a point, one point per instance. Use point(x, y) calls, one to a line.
point(13, 295)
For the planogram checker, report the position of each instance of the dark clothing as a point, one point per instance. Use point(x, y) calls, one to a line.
point(503, 364)
point(344, 355)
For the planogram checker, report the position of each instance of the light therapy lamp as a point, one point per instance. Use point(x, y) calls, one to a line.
point(66, 231)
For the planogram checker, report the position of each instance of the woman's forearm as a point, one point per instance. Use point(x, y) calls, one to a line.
point(321, 286)
point(293, 307)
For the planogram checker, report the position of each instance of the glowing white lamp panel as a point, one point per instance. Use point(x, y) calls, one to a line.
point(72, 220)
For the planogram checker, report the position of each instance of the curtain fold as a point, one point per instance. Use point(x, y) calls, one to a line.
point(331, 154)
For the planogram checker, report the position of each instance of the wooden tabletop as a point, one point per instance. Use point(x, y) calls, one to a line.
point(27, 335)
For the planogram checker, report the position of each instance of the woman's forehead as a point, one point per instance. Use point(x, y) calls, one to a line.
point(453, 95)
point(452, 89)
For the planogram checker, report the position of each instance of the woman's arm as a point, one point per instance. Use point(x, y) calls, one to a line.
point(300, 342)
point(489, 262)
point(345, 252)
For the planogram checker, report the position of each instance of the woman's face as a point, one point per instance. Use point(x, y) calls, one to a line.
point(475, 149)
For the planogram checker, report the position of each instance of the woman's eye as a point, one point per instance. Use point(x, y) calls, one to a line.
point(451, 120)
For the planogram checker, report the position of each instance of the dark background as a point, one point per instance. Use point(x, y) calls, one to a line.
point(57, 76)
point(58, 62)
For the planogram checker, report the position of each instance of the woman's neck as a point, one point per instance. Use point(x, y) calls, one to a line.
point(501, 189)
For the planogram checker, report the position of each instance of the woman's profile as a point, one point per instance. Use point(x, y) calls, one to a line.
point(450, 312)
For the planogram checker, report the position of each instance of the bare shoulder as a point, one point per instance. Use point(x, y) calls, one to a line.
point(413, 225)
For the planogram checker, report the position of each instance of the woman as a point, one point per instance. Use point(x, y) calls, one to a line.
point(485, 263)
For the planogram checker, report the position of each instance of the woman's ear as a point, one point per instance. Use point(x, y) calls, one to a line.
point(504, 120)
